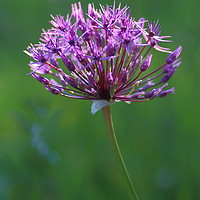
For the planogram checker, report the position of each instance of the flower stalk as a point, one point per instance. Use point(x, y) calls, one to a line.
point(117, 153)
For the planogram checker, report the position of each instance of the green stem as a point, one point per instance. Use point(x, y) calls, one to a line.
point(108, 121)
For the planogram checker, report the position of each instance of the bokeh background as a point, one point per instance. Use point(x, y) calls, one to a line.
point(52, 148)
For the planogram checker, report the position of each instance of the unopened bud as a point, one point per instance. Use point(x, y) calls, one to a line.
point(109, 78)
point(54, 62)
point(174, 55)
point(167, 76)
point(166, 92)
point(146, 64)
point(124, 75)
point(155, 92)
point(70, 80)
point(54, 91)
point(137, 95)
point(68, 63)
point(111, 49)
point(150, 94)
point(41, 79)
point(172, 66)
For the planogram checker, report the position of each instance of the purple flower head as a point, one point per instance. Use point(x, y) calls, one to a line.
point(103, 56)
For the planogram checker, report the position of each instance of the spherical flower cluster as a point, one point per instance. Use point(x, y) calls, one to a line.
point(102, 56)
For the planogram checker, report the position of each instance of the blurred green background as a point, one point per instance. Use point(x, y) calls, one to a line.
point(52, 148)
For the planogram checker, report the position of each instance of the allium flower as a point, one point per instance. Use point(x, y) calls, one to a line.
point(102, 57)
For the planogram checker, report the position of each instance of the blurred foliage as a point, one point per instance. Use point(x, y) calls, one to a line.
point(52, 148)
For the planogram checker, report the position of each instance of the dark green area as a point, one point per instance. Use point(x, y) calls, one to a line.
point(52, 148)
